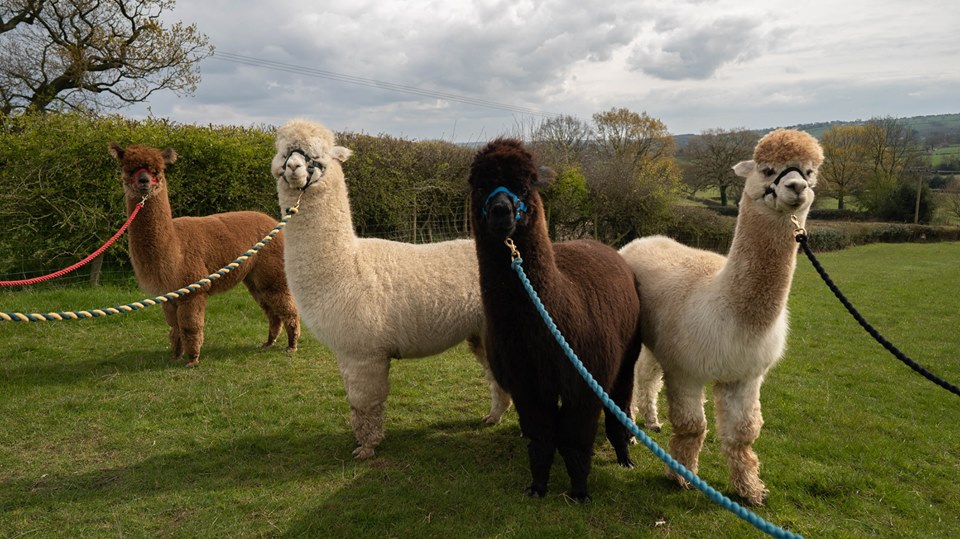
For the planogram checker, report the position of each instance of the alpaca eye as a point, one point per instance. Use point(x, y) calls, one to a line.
point(768, 172)
point(809, 171)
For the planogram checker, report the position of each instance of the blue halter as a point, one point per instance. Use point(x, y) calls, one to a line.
point(521, 207)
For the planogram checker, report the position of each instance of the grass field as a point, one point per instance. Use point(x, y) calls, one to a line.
point(102, 435)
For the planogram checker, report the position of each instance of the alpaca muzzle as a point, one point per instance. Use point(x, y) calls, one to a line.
point(142, 179)
point(299, 167)
point(795, 187)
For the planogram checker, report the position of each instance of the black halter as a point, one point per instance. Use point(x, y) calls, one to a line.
point(770, 188)
point(312, 165)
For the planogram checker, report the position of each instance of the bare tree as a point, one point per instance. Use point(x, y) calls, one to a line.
point(93, 54)
point(562, 140)
point(16, 12)
point(711, 155)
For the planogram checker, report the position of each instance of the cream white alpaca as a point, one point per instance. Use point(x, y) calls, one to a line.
point(369, 299)
point(709, 318)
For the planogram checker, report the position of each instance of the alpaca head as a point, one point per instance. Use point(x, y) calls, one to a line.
point(306, 154)
point(783, 171)
point(503, 187)
point(142, 168)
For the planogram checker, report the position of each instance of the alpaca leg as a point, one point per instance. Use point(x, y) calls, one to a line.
point(537, 423)
point(648, 379)
point(262, 297)
point(499, 399)
point(278, 304)
point(621, 394)
point(190, 319)
point(685, 408)
point(170, 315)
point(292, 324)
point(577, 430)
point(738, 426)
point(367, 382)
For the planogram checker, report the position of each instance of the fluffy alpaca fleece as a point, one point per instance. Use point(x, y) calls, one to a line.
point(709, 318)
point(590, 293)
point(369, 299)
point(169, 253)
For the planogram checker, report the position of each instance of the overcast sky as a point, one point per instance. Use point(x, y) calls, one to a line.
point(695, 64)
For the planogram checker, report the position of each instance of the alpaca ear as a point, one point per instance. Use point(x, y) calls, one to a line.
point(545, 176)
point(341, 154)
point(744, 168)
point(115, 150)
point(169, 156)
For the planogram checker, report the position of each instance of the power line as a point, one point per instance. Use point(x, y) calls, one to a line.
point(373, 83)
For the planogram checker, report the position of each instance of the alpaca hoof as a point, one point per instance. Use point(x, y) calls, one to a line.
point(683, 483)
point(363, 452)
point(755, 499)
point(491, 419)
point(291, 349)
point(626, 463)
point(578, 498)
point(534, 492)
point(654, 428)
point(267, 344)
point(193, 362)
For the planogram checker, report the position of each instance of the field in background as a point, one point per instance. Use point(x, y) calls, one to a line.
point(103, 436)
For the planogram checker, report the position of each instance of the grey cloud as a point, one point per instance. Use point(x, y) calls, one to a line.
point(698, 52)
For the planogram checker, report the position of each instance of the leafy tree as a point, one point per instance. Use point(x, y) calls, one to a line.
point(846, 164)
point(632, 174)
point(710, 158)
point(93, 54)
point(632, 137)
point(568, 203)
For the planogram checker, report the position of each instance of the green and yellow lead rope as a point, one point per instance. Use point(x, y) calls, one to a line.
point(163, 298)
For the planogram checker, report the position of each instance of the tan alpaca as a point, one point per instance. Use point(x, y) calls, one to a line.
point(709, 318)
point(169, 253)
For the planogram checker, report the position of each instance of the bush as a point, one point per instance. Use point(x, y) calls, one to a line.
point(700, 227)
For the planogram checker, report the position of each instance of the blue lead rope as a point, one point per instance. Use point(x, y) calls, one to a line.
point(679, 469)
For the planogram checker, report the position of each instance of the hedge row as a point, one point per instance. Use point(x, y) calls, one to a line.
point(61, 196)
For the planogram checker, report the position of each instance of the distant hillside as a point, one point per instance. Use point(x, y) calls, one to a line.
point(925, 126)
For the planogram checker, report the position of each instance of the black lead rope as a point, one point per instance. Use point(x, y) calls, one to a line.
point(802, 240)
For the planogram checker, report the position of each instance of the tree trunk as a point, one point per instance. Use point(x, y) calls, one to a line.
point(96, 270)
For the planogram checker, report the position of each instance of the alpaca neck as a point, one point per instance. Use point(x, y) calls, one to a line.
point(323, 223)
point(152, 236)
point(759, 268)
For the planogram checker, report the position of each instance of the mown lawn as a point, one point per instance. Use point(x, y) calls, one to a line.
point(102, 435)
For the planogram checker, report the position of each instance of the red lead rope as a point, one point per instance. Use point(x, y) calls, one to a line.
point(82, 262)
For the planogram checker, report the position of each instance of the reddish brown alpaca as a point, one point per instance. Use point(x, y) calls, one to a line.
point(169, 253)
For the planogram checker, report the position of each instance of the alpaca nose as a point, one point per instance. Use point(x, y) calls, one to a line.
point(501, 207)
point(143, 179)
point(797, 185)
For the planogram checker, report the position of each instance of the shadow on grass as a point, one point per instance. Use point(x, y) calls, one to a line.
point(454, 478)
point(128, 360)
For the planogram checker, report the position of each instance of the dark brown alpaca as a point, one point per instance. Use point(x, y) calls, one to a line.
point(169, 253)
point(591, 294)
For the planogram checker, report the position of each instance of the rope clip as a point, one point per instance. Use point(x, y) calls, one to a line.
point(797, 230)
point(514, 253)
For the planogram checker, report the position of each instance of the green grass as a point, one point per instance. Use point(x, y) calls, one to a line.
point(102, 435)
point(944, 154)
